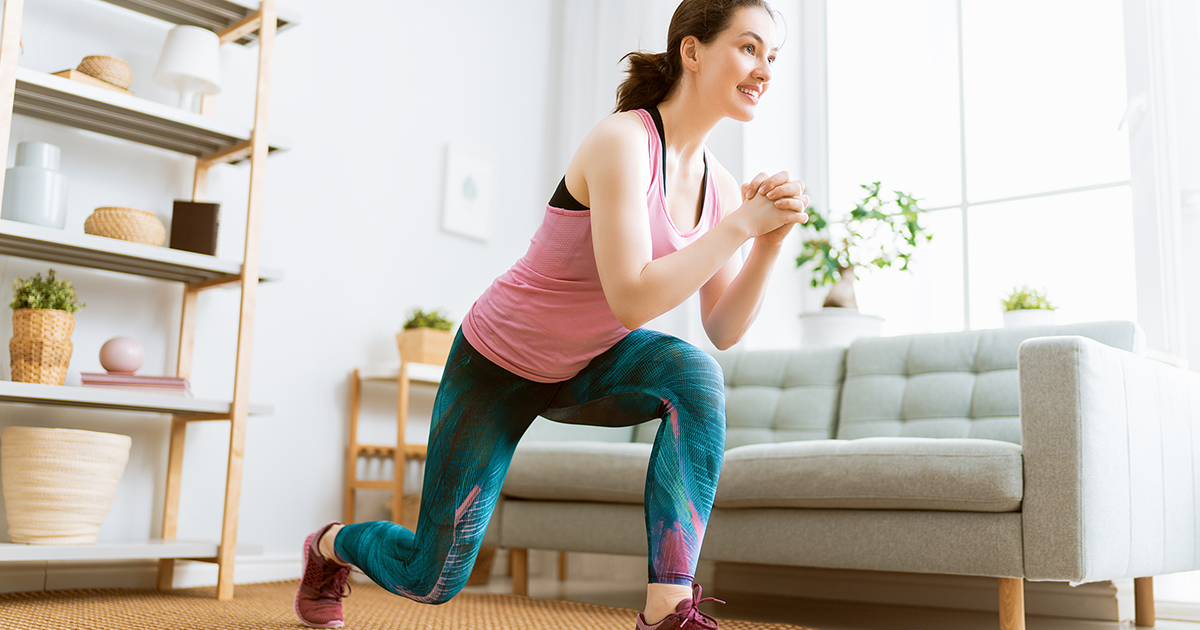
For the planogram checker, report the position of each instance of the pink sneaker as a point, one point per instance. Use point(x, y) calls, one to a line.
point(319, 598)
point(687, 615)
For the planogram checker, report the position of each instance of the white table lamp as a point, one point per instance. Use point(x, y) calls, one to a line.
point(191, 63)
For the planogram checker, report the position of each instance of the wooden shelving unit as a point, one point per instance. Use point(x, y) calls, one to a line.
point(212, 142)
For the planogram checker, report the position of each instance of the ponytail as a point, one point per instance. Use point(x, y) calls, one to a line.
point(650, 78)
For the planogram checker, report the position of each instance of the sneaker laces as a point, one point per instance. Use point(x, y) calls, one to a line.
point(692, 617)
point(336, 585)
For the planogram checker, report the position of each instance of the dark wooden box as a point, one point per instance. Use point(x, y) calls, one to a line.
point(194, 226)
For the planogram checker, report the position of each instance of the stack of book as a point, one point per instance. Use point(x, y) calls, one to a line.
point(144, 383)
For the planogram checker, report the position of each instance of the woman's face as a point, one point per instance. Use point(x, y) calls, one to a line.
point(735, 68)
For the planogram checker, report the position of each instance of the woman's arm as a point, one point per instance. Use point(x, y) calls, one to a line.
point(730, 301)
point(639, 288)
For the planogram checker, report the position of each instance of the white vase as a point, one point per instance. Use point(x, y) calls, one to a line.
point(34, 191)
point(1028, 317)
point(836, 327)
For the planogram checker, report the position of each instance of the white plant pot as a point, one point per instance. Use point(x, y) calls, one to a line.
point(836, 327)
point(1028, 317)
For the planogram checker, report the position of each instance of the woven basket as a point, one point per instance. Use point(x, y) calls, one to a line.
point(40, 348)
point(59, 483)
point(126, 224)
point(108, 69)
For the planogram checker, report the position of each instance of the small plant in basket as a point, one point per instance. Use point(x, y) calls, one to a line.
point(433, 319)
point(426, 337)
point(43, 320)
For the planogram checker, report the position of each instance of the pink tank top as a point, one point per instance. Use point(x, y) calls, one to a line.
point(547, 316)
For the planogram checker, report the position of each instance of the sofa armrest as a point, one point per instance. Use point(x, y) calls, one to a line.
point(1112, 478)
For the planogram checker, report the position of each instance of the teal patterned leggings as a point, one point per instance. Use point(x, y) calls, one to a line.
point(482, 410)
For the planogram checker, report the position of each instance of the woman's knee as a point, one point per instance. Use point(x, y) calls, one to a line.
point(689, 363)
point(692, 367)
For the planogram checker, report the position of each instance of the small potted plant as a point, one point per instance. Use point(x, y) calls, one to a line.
point(426, 337)
point(1027, 307)
point(876, 234)
point(43, 320)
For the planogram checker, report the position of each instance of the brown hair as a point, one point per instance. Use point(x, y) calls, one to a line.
point(652, 75)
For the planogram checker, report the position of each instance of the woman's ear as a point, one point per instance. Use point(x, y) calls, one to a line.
point(689, 50)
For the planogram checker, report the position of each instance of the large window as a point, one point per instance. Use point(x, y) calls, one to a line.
point(1003, 117)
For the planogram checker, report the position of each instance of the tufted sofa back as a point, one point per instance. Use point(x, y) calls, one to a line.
point(776, 396)
point(780, 395)
point(949, 385)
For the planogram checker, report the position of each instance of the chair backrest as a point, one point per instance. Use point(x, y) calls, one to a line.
point(949, 385)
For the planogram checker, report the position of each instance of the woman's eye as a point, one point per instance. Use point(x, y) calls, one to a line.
point(749, 48)
point(771, 59)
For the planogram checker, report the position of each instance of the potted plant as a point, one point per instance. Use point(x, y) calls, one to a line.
point(43, 320)
point(426, 337)
point(1027, 307)
point(876, 234)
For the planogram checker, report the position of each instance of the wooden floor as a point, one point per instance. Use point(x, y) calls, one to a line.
point(815, 614)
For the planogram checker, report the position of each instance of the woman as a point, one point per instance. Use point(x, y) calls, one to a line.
point(643, 218)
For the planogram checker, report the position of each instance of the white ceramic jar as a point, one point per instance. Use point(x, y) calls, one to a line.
point(34, 190)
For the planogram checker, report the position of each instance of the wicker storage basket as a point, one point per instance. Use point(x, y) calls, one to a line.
point(40, 348)
point(112, 70)
point(424, 345)
point(59, 483)
point(126, 224)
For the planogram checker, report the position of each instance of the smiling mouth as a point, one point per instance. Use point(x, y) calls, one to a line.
point(751, 93)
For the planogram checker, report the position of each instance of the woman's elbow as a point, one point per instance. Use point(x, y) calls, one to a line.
point(724, 344)
point(629, 317)
point(721, 337)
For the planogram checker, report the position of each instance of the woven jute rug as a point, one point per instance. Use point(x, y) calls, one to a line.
point(269, 605)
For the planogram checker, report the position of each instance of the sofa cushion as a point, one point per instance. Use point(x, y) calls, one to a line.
point(949, 385)
point(962, 475)
point(579, 471)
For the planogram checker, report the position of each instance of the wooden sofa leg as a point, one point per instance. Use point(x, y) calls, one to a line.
point(1012, 604)
point(519, 561)
point(1143, 601)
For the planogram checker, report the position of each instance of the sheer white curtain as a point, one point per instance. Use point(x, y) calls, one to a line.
point(594, 35)
point(1163, 77)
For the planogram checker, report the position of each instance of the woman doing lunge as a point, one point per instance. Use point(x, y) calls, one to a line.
point(644, 218)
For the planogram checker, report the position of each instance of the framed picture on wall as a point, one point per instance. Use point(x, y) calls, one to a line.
point(469, 192)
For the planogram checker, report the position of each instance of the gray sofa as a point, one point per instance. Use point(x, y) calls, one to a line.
point(1055, 453)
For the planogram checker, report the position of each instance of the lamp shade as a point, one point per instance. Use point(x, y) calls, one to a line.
point(190, 62)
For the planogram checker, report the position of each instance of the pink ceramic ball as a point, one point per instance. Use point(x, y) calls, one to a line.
point(122, 354)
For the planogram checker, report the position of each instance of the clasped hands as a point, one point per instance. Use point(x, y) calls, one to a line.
point(786, 194)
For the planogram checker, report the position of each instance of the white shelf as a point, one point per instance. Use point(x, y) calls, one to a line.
point(214, 15)
point(417, 373)
point(120, 400)
point(141, 550)
point(97, 252)
point(84, 106)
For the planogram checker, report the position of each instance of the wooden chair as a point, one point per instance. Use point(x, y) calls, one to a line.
point(426, 367)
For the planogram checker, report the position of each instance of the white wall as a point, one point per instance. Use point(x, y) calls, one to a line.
point(368, 96)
